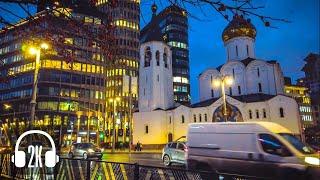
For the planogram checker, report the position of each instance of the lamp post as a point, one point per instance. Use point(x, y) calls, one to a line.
point(222, 81)
point(37, 52)
point(114, 102)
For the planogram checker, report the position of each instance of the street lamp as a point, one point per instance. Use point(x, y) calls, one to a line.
point(37, 52)
point(114, 101)
point(222, 81)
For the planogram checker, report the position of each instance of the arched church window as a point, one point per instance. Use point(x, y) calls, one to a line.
point(237, 51)
point(260, 87)
point(212, 93)
point(250, 114)
point(158, 58)
point(281, 112)
point(230, 91)
point(247, 50)
point(233, 74)
point(264, 113)
point(205, 117)
point(147, 57)
point(200, 119)
point(182, 119)
point(257, 114)
point(165, 58)
point(239, 90)
point(258, 72)
point(194, 118)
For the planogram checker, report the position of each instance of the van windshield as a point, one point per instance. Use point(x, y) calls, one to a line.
point(294, 141)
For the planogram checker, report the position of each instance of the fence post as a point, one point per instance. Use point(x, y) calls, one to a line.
point(88, 169)
point(136, 171)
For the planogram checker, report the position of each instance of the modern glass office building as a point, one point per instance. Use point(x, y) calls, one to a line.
point(90, 55)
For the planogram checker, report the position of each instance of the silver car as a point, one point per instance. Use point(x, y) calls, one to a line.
point(84, 150)
point(174, 152)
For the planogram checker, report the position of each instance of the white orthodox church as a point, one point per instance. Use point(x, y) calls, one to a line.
point(256, 93)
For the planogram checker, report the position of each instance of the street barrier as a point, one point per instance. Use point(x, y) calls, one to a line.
point(79, 169)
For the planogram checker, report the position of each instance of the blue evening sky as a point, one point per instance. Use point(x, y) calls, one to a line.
point(288, 44)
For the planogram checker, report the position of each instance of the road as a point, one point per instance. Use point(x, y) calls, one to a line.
point(140, 158)
point(151, 159)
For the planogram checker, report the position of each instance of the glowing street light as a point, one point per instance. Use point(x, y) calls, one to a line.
point(33, 50)
point(7, 106)
point(222, 81)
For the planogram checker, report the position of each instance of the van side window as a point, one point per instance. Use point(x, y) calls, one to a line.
point(272, 145)
point(173, 145)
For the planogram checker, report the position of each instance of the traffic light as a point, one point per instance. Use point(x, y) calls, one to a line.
point(101, 135)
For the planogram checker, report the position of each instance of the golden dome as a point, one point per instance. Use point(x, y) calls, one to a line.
point(238, 27)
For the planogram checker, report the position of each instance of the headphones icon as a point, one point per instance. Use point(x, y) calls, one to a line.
point(19, 157)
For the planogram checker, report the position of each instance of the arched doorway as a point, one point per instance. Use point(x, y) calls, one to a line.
point(233, 114)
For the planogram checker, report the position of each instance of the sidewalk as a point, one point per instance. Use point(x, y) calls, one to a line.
point(151, 151)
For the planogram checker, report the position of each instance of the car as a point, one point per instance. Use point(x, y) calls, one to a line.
point(174, 152)
point(256, 149)
point(85, 151)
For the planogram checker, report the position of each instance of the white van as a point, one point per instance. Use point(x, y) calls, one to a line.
point(258, 149)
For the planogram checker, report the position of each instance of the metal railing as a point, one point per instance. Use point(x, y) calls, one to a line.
point(92, 169)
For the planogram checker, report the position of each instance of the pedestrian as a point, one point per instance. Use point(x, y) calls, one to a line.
point(138, 146)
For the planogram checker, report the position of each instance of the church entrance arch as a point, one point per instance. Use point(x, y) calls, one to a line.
point(233, 114)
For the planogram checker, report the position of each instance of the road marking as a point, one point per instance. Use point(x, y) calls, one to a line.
point(111, 171)
point(68, 170)
point(80, 169)
point(124, 174)
point(106, 172)
point(160, 172)
point(94, 172)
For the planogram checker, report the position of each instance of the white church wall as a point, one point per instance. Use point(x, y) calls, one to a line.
point(236, 70)
point(205, 84)
point(156, 121)
point(237, 48)
point(291, 119)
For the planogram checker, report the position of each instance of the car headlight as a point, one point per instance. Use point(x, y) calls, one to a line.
point(312, 160)
point(90, 150)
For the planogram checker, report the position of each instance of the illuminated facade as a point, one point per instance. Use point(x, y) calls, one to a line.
point(312, 82)
point(300, 94)
point(254, 94)
point(73, 94)
point(173, 23)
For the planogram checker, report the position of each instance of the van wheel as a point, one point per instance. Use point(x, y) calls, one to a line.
point(85, 156)
point(166, 160)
